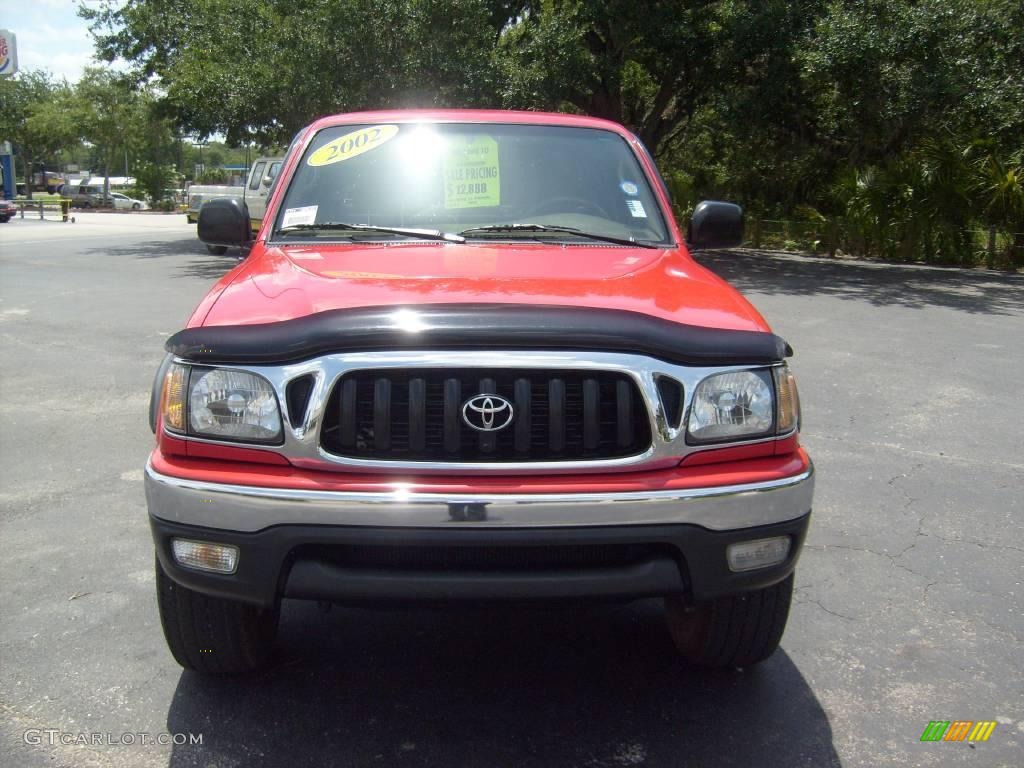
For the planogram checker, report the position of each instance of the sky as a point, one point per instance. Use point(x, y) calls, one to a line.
point(50, 36)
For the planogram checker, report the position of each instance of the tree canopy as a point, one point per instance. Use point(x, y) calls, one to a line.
point(899, 122)
point(35, 115)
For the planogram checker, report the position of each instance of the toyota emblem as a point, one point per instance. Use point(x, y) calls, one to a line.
point(487, 413)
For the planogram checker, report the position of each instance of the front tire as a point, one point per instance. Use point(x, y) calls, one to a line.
point(211, 635)
point(217, 250)
point(734, 631)
point(136, 206)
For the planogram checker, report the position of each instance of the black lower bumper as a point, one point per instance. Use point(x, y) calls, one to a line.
point(359, 565)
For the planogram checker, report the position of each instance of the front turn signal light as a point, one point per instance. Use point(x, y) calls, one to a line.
point(788, 400)
point(760, 553)
point(173, 399)
point(205, 555)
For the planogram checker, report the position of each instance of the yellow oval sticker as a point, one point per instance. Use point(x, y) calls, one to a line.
point(351, 144)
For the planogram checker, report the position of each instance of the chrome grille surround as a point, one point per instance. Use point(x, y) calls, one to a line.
point(302, 445)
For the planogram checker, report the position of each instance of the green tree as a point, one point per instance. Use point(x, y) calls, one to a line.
point(896, 124)
point(153, 178)
point(109, 112)
point(36, 116)
point(652, 66)
point(1000, 184)
point(258, 70)
point(213, 176)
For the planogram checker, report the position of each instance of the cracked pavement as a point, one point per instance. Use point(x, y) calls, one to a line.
point(908, 605)
point(911, 578)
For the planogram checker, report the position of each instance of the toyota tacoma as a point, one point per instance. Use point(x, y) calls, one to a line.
point(469, 358)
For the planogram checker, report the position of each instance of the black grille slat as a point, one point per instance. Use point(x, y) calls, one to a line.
point(452, 415)
point(416, 415)
point(524, 414)
point(591, 418)
point(348, 413)
point(556, 415)
point(671, 393)
point(297, 396)
point(382, 414)
point(624, 419)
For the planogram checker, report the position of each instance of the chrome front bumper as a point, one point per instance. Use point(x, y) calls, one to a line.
point(250, 508)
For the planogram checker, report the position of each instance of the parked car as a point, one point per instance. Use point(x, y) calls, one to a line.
point(470, 358)
point(86, 196)
point(7, 210)
point(123, 202)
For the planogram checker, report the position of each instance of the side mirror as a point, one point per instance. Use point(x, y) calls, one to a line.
point(715, 224)
point(268, 180)
point(224, 221)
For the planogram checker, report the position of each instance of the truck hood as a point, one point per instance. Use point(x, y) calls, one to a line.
point(286, 282)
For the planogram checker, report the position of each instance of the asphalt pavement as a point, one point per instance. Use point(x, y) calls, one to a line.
point(909, 604)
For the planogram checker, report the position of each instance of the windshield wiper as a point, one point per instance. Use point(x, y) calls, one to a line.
point(424, 234)
point(498, 228)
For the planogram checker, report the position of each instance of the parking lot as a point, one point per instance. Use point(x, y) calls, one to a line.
point(909, 604)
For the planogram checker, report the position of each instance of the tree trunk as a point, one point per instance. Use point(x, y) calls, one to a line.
point(27, 159)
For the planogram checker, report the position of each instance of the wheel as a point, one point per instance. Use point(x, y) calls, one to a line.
point(135, 206)
point(211, 635)
point(87, 204)
point(217, 250)
point(734, 631)
point(4, 219)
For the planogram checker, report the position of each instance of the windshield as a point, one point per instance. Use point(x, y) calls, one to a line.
point(469, 178)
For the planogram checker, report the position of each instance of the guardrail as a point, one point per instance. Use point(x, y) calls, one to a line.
point(63, 204)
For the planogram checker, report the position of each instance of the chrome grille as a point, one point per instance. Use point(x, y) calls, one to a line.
point(416, 415)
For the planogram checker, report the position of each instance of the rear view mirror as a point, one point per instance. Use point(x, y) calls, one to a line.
point(715, 224)
point(224, 221)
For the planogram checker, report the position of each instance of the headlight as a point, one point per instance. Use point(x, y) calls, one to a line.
point(232, 405)
point(224, 404)
point(732, 406)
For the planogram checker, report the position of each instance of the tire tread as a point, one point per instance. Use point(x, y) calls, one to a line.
point(211, 635)
point(740, 630)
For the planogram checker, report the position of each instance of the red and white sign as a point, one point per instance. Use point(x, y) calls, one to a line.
point(8, 53)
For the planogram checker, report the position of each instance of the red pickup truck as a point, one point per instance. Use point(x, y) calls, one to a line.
point(469, 358)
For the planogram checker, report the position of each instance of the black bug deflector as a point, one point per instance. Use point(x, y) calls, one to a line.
point(476, 326)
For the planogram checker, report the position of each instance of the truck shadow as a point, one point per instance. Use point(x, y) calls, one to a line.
point(974, 291)
point(193, 260)
point(586, 686)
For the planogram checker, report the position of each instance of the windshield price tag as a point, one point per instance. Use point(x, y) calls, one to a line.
point(352, 144)
point(298, 216)
point(472, 177)
point(636, 209)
